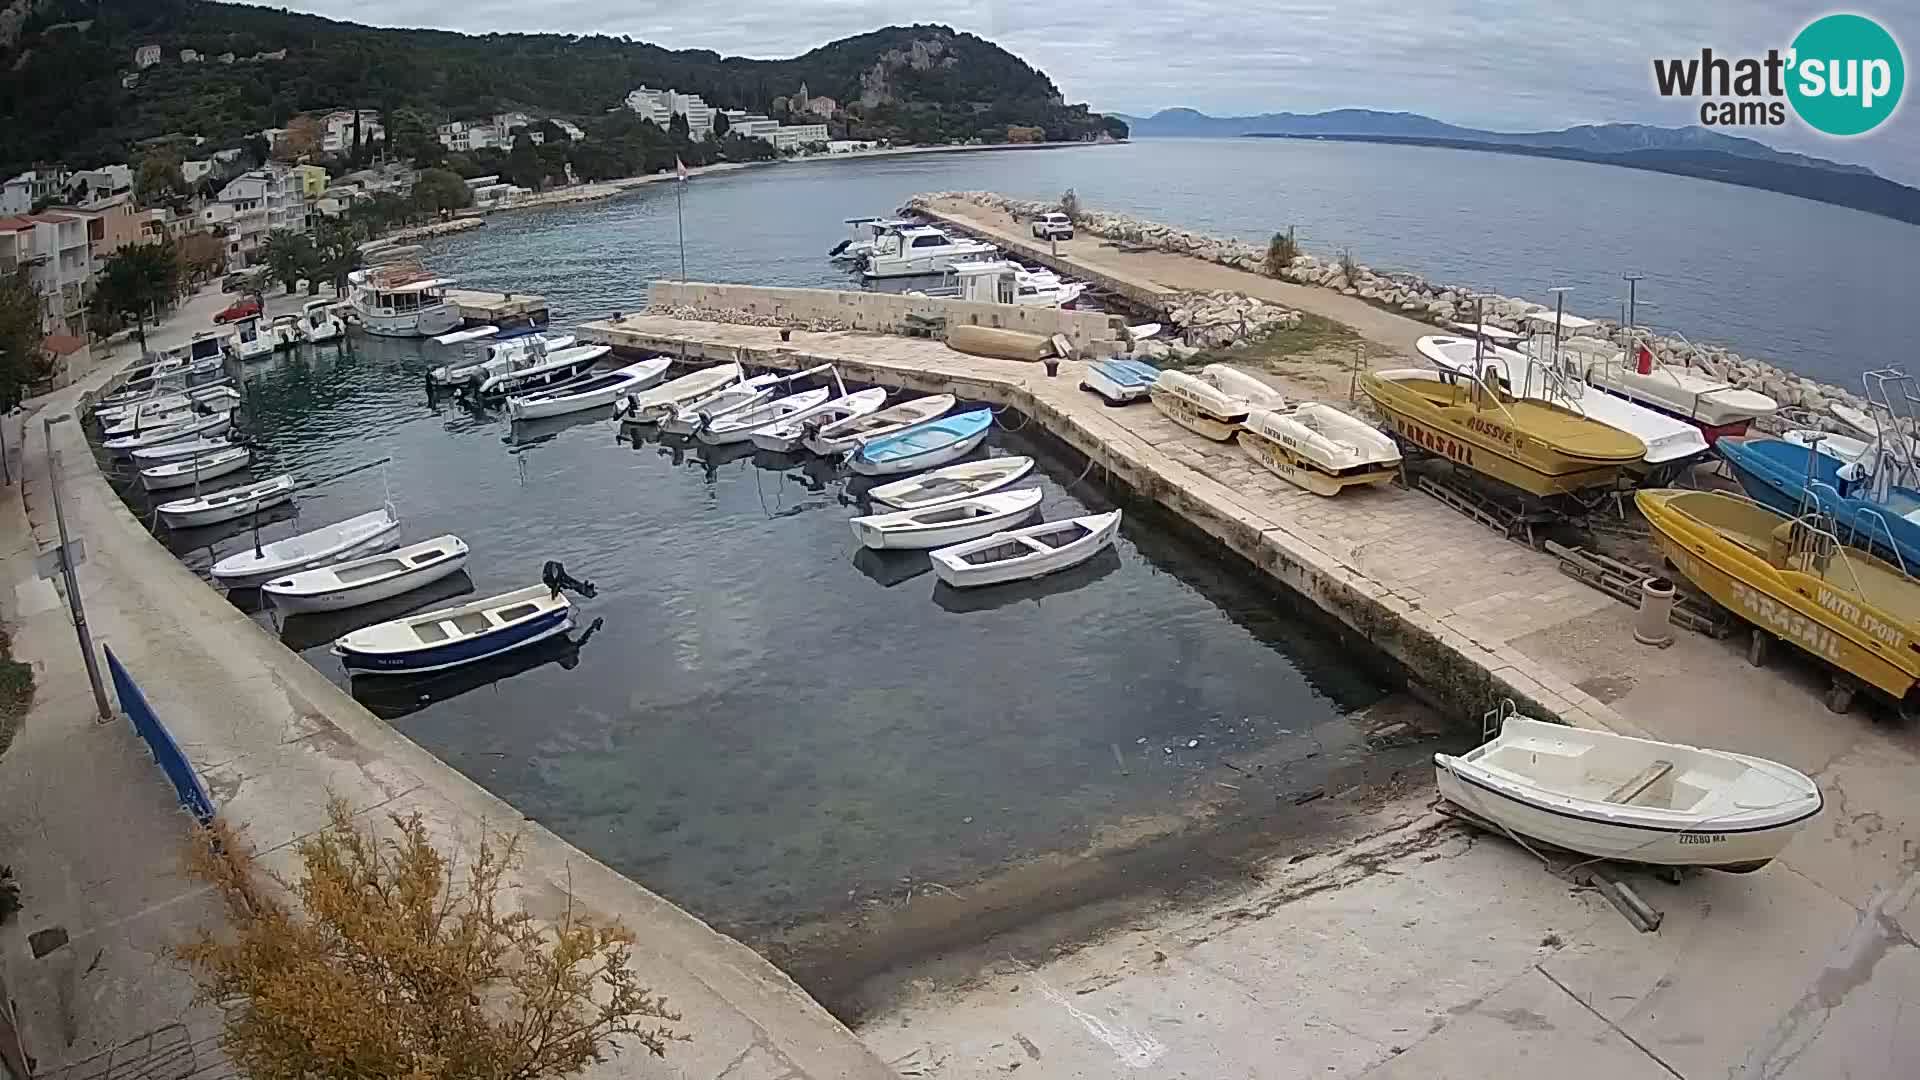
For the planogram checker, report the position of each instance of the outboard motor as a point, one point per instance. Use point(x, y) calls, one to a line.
point(555, 577)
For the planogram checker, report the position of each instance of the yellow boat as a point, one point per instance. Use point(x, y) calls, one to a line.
point(1792, 578)
point(1535, 446)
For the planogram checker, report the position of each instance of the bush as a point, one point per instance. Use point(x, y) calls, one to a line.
point(1349, 267)
point(1281, 251)
point(1070, 205)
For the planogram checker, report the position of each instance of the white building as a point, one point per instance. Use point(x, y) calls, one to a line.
point(54, 246)
point(699, 114)
point(189, 56)
point(18, 195)
point(573, 130)
point(654, 105)
point(102, 184)
point(661, 106)
point(146, 56)
point(255, 204)
point(336, 130)
point(195, 171)
point(798, 136)
point(750, 125)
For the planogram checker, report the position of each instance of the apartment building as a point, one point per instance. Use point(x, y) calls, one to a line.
point(18, 195)
point(54, 246)
point(661, 106)
point(750, 125)
point(257, 203)
point(336, 130)
point(798, 136)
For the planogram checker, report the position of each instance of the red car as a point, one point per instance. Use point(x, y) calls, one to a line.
point(239, 309)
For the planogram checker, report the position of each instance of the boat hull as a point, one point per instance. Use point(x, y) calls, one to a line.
point(424, 322)
point(454, 654)
point(1028, 567)
point(870, 532)
point(243, 569)
point(969, 480)
point(1117, 383)
point(352, 596)
point(1776, 473)
point(190, 477)
point(1296, 468)
point(929, 459)
point(1205, 422)
point(231, 511)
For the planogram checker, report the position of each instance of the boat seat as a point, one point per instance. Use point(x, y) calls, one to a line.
point(1636, 787)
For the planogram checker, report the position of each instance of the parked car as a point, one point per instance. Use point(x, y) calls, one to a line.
point(1055, 226)
point(239, 309)
point(234, 282)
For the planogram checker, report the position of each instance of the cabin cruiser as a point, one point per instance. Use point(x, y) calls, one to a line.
point(862, 232)
point(250, 341)
point(922, 249)
point(1002, 281)
point(393, 301)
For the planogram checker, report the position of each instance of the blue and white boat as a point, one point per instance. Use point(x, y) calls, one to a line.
point(449, 637)
point(1869, 512)
point(1120, 380)
point(922, 446)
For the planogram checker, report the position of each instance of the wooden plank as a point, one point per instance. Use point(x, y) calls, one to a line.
point(1637, 786)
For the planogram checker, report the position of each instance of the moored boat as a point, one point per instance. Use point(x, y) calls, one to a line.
point(249, 340)
point(194, 427)
point(184, 448)
point(227, 504)
point(401, 301)
point(1120, 380)
point(922, 446)
point(285, 332)
point(1319, 448)
point(786, 435)
point(844, 434)
point(591, 392)
point(949, 523)
point(318, 324)
point(1634, 800)
point(189, 471)
point(967, 479)
point(739, 426)
point(369, 579)
point(1020, 554)
point(653, 406)
point(449, 637)
point(526, 372)
point(325, 544)
point(745, 394)
point(1198, 405)
point(496, 356)
point(921, 249)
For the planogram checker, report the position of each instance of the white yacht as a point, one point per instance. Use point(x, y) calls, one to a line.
point(402, 302)
point(1002, 281)
point(861, 234)
point(922, 249)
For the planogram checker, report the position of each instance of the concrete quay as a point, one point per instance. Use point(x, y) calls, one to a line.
point(481, 306)
point(90, 827)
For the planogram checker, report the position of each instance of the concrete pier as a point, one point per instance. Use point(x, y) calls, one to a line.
point(480, 306)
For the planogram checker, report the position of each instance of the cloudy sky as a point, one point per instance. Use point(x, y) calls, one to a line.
point(1522, 64)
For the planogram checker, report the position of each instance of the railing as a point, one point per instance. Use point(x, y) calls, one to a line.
point(186, 781)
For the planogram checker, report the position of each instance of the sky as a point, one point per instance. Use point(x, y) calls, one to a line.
point(1518, 65)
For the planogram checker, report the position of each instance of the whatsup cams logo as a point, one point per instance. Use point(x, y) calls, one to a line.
point(1842, 75)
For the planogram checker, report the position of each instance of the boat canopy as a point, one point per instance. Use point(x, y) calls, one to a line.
point(416, 286)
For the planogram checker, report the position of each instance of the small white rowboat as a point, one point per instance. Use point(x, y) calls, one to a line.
point(922, 446)
point(1319, 448)
point(746, 394)
point(787, 434)
point(1198, 405)
point(226, 505)
point(949, 523)
point(1636, 800)
point(325, 544)
point(187, 472)
point(205, 427)
point(655, 405)
point(186, 448)
point(449, 637)
point(843, 435)
point(960, 481)
point(370, 579)
point(740, 426)
point(590, 393)
point(1026, 553)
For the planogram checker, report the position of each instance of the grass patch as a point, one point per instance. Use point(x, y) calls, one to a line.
point(16, 692)
point(1317, 337)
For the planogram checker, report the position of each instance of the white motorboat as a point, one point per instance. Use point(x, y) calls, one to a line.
point(189, 471)
point(1120, 380)
point(526, 372)
point(497, 357)
point(861, 233)
point(325, 544)
point(449, 637)
point(368, 579)
point(401, 301)
point(1002, 281)
point(1667, 440)
point(655, 405)
point(195, 427)
point(210, 398)
point(746, 394)
point(1319, 447)
point(249, 340)
point(185, 448)
point(1715, 406)
point(1026, 553)
point(1636, 800)
point(922, 446)
point(285, 330)
point(740, 426)
point(948, 523)
point(967, 479)
point(1198, 405)
point(787, 434)
point(318, 324)
point(842, 435)
point(591, 392)
point(921, 249)
point(227, 504)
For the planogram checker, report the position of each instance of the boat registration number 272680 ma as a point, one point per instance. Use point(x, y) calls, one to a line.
point(1702, 838)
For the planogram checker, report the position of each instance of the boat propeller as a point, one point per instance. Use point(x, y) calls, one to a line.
point(555, 577)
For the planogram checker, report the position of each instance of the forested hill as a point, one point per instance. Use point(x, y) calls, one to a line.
point(62, 62)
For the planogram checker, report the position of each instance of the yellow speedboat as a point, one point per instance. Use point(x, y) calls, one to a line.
point(1791, 577)
point(1535, 446)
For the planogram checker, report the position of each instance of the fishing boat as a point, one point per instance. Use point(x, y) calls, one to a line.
point(318, 323)
point(537, 370)
point(189, 471)
point(732, 400)
point(923, 446)
point(1198, 405)
point(249, 341)
point(185, 448)
point(1534, 446)
point(592, 392)
point(401, 301)
point(1634, 800)
point(1026, 553)
point(1869, 508)
point(787, 434)
point(655, 405)
point(195, 427)
point(212, 398)
point(739, 426)
point(1668, 441)
point(921, 249)
point(160, 412)
point(1319, 448)
point(285, 332)
point(498, 356)
point(1120, 380)
point(1715, 406)
point(948, 523)
point(325, 544)
point(449, 637)
point(967, 479)
point(1792, 578)
point(842, 435)
point(368, 579)
point(227, 504)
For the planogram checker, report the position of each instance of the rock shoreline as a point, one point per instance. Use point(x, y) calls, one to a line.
point(1805, 400)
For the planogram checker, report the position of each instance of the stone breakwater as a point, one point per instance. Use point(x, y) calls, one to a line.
point(1804, 401)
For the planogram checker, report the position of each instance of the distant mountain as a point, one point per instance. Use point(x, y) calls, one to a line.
point(1404, 126)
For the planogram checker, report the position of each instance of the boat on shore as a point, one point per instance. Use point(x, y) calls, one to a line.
point(967, 479)
point(786, 435)
point(1870, 510)
point(923, 446)
point(1198, 405)
point(307, 549)
point(949, 523)
point(841, 435)
point(1715, 406)
point(1319, 447)
point(1022, 554)
point(1534, 446)
point(590, 392)
point(653, 406)
point(450, 637)
point(369, 579)
point(1120, 380)
point(1632, 800)
point(226, 504)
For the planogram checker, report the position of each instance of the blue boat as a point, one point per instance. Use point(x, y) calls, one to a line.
point(1793, 479)
point(1121, 379)
point(923, 446)
point(450, 637)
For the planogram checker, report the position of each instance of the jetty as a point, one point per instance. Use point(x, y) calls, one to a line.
point(500, 308)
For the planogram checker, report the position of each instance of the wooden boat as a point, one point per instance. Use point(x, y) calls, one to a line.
point(542, 370)
point(1534, 446)
point(1198, 405)
point(189, 471)
point(227, 504)
point(843, 435)
point(1025, 553)
point(1793, 579)
point(592, 392)
point(739, 426)
point(786, 435)
point(370, 579)
point(948, 523)
point(967, 479)
point(197, 427)
point(1636, 800)
point(1120, 380)
point(185, 448)
point(449, 637)
point(653, 406)
point(325, 544)
point(1319, 448)
point(922, 446)
point(1715, 406)
point(745, 394)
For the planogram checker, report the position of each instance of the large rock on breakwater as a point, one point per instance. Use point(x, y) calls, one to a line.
point(1805, 400)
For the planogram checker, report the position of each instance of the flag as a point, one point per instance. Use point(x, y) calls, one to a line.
point(1644, 360)
point(679, 168)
